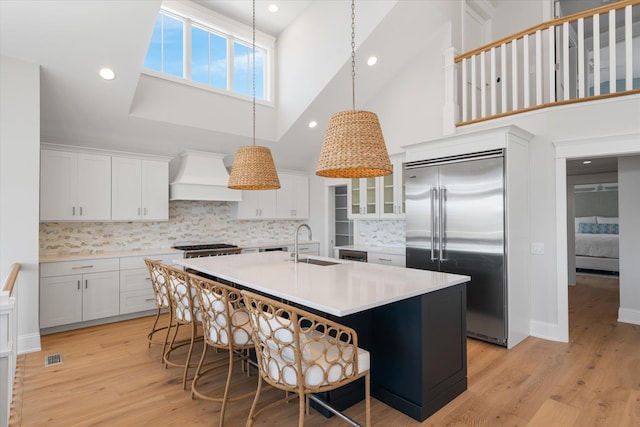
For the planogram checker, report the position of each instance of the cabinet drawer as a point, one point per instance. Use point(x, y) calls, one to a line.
point(133, 262)
point(65, 268)
point(306, 248)
point(135, 301)
point(386, 259)
point(135, 279)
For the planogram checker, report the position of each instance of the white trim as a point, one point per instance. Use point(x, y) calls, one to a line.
point(545, 330)
point(627, 315)
point(28, 343)
point(611, 145)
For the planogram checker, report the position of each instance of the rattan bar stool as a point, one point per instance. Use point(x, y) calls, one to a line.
point(186, 312)
point(226, 326)
point(302, 353)
point(163, 302)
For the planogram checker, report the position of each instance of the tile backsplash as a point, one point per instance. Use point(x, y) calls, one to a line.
point(189, 222)
point(380, 233)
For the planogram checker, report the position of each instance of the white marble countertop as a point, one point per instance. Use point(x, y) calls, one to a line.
point(107, 254)
point(341, 289)
point(395, 250)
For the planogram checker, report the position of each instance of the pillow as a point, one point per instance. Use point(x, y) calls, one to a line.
point(584, 220)
point(607, 219)
point(607, 228)
point(587, 228)
point(598, 228)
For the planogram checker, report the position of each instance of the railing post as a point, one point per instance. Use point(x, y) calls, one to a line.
point(451, 109)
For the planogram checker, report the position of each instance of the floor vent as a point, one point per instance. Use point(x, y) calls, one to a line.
point(53, 359)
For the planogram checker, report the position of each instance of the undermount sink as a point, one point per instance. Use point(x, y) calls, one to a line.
point(317, 261)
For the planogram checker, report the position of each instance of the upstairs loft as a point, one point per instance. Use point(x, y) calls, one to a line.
point(582, 57)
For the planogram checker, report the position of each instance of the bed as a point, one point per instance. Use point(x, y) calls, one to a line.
point(597, 243)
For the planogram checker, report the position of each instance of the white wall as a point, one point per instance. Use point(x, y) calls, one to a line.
point(629, 205)
point(19, 189)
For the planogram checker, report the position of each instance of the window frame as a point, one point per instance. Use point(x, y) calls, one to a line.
point(193, 15)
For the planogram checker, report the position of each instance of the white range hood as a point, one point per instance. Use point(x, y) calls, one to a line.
point(202, 176)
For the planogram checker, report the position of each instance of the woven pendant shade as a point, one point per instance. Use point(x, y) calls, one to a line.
point(353, 147)
point(253, 169)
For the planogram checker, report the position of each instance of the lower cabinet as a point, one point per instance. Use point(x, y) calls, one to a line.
point(306, 248)
point(386, 259)
point(136, 293)
point(66, 296)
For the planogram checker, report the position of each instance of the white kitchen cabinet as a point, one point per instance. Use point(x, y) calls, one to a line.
point(392, 194)
point(74, 186)
point(362, 198)
point(257, 204)
point(307, 248)
point(136, 291)
point(140, 190)
point(292, 199)
point(386, 259)
point(76, 291)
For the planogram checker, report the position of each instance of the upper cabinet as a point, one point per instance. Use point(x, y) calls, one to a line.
point(291, 201)
point(74, 186)
point(140, 190)
point(91, 186)
point(378, 198)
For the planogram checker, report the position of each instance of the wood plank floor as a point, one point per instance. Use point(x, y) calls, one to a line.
point(110, 378)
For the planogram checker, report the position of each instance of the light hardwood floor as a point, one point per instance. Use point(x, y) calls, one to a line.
point(109, 377)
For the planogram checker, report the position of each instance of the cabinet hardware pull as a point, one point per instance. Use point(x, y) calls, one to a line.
point(80, 210)
point(78, 284)
point(148, 299)
point(86, 283)
point(384, 259)
point(145, 211)
point(73, 211)
point(147, 278)
point(82, 266)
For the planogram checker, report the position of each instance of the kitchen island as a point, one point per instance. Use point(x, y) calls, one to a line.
point(411, 321)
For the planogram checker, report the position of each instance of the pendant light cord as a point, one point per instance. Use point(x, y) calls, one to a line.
point(253, 52)
point(353, 54)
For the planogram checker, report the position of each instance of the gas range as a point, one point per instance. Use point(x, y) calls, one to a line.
point(208, 249)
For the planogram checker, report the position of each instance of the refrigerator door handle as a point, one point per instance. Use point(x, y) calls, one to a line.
point(434, 194)
point(441, 221)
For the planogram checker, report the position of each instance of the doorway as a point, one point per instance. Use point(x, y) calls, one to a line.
point(341, 228)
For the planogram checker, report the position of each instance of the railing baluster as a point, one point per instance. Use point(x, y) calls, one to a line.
point(464, 106)
point(514, 74)
point(551, 50)
point(474, 91)
point(565, 61)
point(596, 54)
point(628, 48)
point(581, 80)
point(483, 85)
point(538, 67)
point(525, 69)
point(503, 76)
point(494, 84)
point(612, 52)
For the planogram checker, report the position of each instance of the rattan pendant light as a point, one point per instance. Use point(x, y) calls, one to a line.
point(253, 167)
point(353, 145)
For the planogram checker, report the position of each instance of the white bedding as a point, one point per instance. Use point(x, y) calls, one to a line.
point(597, 245)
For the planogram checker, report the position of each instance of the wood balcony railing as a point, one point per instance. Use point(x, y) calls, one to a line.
point(8, 331)
point(581, 57)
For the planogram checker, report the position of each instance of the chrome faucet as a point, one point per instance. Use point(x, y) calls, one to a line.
point(295, 250)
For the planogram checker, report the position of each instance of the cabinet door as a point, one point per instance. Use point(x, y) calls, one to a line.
point(155, 190)
point(94, 187)
point(363, 200)
point(126, 180)
point(258, 204)
point(100, 295)
point(58, 188)
point(293, 197)
point(60, 300)
point(392, 198)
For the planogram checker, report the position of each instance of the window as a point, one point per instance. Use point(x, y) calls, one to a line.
point(183, 48)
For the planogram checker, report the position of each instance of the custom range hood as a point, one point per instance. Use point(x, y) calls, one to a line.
point(201, 176)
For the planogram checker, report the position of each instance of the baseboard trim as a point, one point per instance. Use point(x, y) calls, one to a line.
point(546, 331)
point(28, 343)
point(627, 315)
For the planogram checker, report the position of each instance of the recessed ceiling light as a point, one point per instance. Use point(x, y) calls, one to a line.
point(273, 8)
point(107, 74)
point(313, 124)
point(586, 162)
point(372, 60)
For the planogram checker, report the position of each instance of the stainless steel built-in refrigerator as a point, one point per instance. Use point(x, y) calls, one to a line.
point(455, 223)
